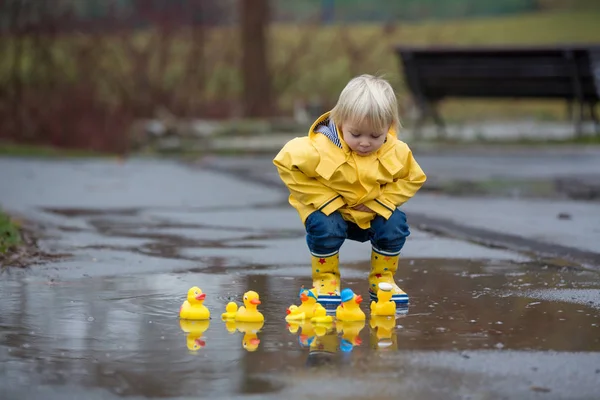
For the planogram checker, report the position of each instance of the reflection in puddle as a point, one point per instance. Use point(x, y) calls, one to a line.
point(250, 340)
point(382, 335)
point(195, 331)
point(124, 335)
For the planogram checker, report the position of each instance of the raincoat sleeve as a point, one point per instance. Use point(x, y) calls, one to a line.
point(296, 164)
point(407, 181)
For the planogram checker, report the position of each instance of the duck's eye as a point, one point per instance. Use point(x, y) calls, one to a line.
point(196, 293)
point(245, 297)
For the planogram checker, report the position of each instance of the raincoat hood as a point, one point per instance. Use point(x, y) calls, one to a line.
point(324, 174)
point(325, 127)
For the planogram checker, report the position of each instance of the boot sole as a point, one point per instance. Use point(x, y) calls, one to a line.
point(399, 299)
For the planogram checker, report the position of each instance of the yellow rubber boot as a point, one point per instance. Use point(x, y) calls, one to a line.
point(326, 280)
point(383, 267)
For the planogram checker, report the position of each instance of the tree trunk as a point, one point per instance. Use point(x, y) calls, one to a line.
point(255, 74)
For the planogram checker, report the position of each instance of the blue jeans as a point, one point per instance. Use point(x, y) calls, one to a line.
point(326, 234)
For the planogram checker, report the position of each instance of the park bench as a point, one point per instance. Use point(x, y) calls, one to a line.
point(571, 73)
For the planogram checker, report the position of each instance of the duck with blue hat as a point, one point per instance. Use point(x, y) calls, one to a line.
point(350, 310)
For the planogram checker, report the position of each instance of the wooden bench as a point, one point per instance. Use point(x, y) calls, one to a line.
point(571, 73)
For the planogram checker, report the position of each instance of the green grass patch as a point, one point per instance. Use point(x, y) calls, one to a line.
point(307, 61)
point(24, 150)
point(9, 233)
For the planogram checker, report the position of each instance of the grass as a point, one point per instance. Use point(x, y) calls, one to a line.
point(9, 233)
point(327, 78)
point(306, 62)
point(23, 150)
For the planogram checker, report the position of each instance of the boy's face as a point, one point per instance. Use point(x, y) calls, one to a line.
point(362, 138)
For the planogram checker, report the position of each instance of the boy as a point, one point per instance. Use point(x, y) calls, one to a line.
point(347, 179)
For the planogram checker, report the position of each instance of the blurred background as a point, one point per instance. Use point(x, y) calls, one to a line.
point(502, 264)
point(110, 75)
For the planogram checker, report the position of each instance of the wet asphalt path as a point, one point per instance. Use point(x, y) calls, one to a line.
point(102, 322)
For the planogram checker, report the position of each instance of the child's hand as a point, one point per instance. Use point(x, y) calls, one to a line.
point(362, 207)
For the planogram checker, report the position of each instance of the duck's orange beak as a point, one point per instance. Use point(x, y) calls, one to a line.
point(200, 342)
point(288, 311)
point(358, 299)
point(201, 296)
point(255, 301)
point(254, 342)
point(303, 297)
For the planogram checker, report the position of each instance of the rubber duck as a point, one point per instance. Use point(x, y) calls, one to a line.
point(384, 304)
point(230, 310)
point(194, 330)
point(294, 314)
point(250, 341)
point(350, 310)
point(193, 308)
point(320, 315)
point(249, 312)
point(350, 334)
point(309, 301)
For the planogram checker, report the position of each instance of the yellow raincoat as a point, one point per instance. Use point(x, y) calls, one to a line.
point(322, 176)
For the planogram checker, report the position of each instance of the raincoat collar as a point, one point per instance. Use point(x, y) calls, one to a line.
point(333, 153)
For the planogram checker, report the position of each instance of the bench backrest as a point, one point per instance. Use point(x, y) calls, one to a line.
point(542, 72)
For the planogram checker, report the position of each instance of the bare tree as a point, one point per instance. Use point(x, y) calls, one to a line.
point(256, 78)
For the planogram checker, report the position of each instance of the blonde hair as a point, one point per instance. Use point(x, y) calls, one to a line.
point(368, 98)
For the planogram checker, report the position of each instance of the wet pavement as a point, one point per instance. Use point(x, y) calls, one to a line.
point(477, 328)
point(102, 322)
point(539, 201)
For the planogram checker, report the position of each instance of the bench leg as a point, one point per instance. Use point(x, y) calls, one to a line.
point(424, 112)
point(594, 116)
point(569, 110)
point(580, 119)
point(417, 129)
point(439, 122)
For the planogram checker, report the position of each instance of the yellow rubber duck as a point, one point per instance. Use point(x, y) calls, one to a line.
point(249, 312)
point(309, 301)
point(193, 308)
point(320, 315)
point(382, 332)
point(294, 314)
point(230, 311)
point(350, 310)
point(250, 341)
point(194, 330)
point(384, 305)
point(350, 334)
point(246, 313)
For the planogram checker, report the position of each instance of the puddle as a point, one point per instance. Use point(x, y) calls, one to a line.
point(121, 336)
